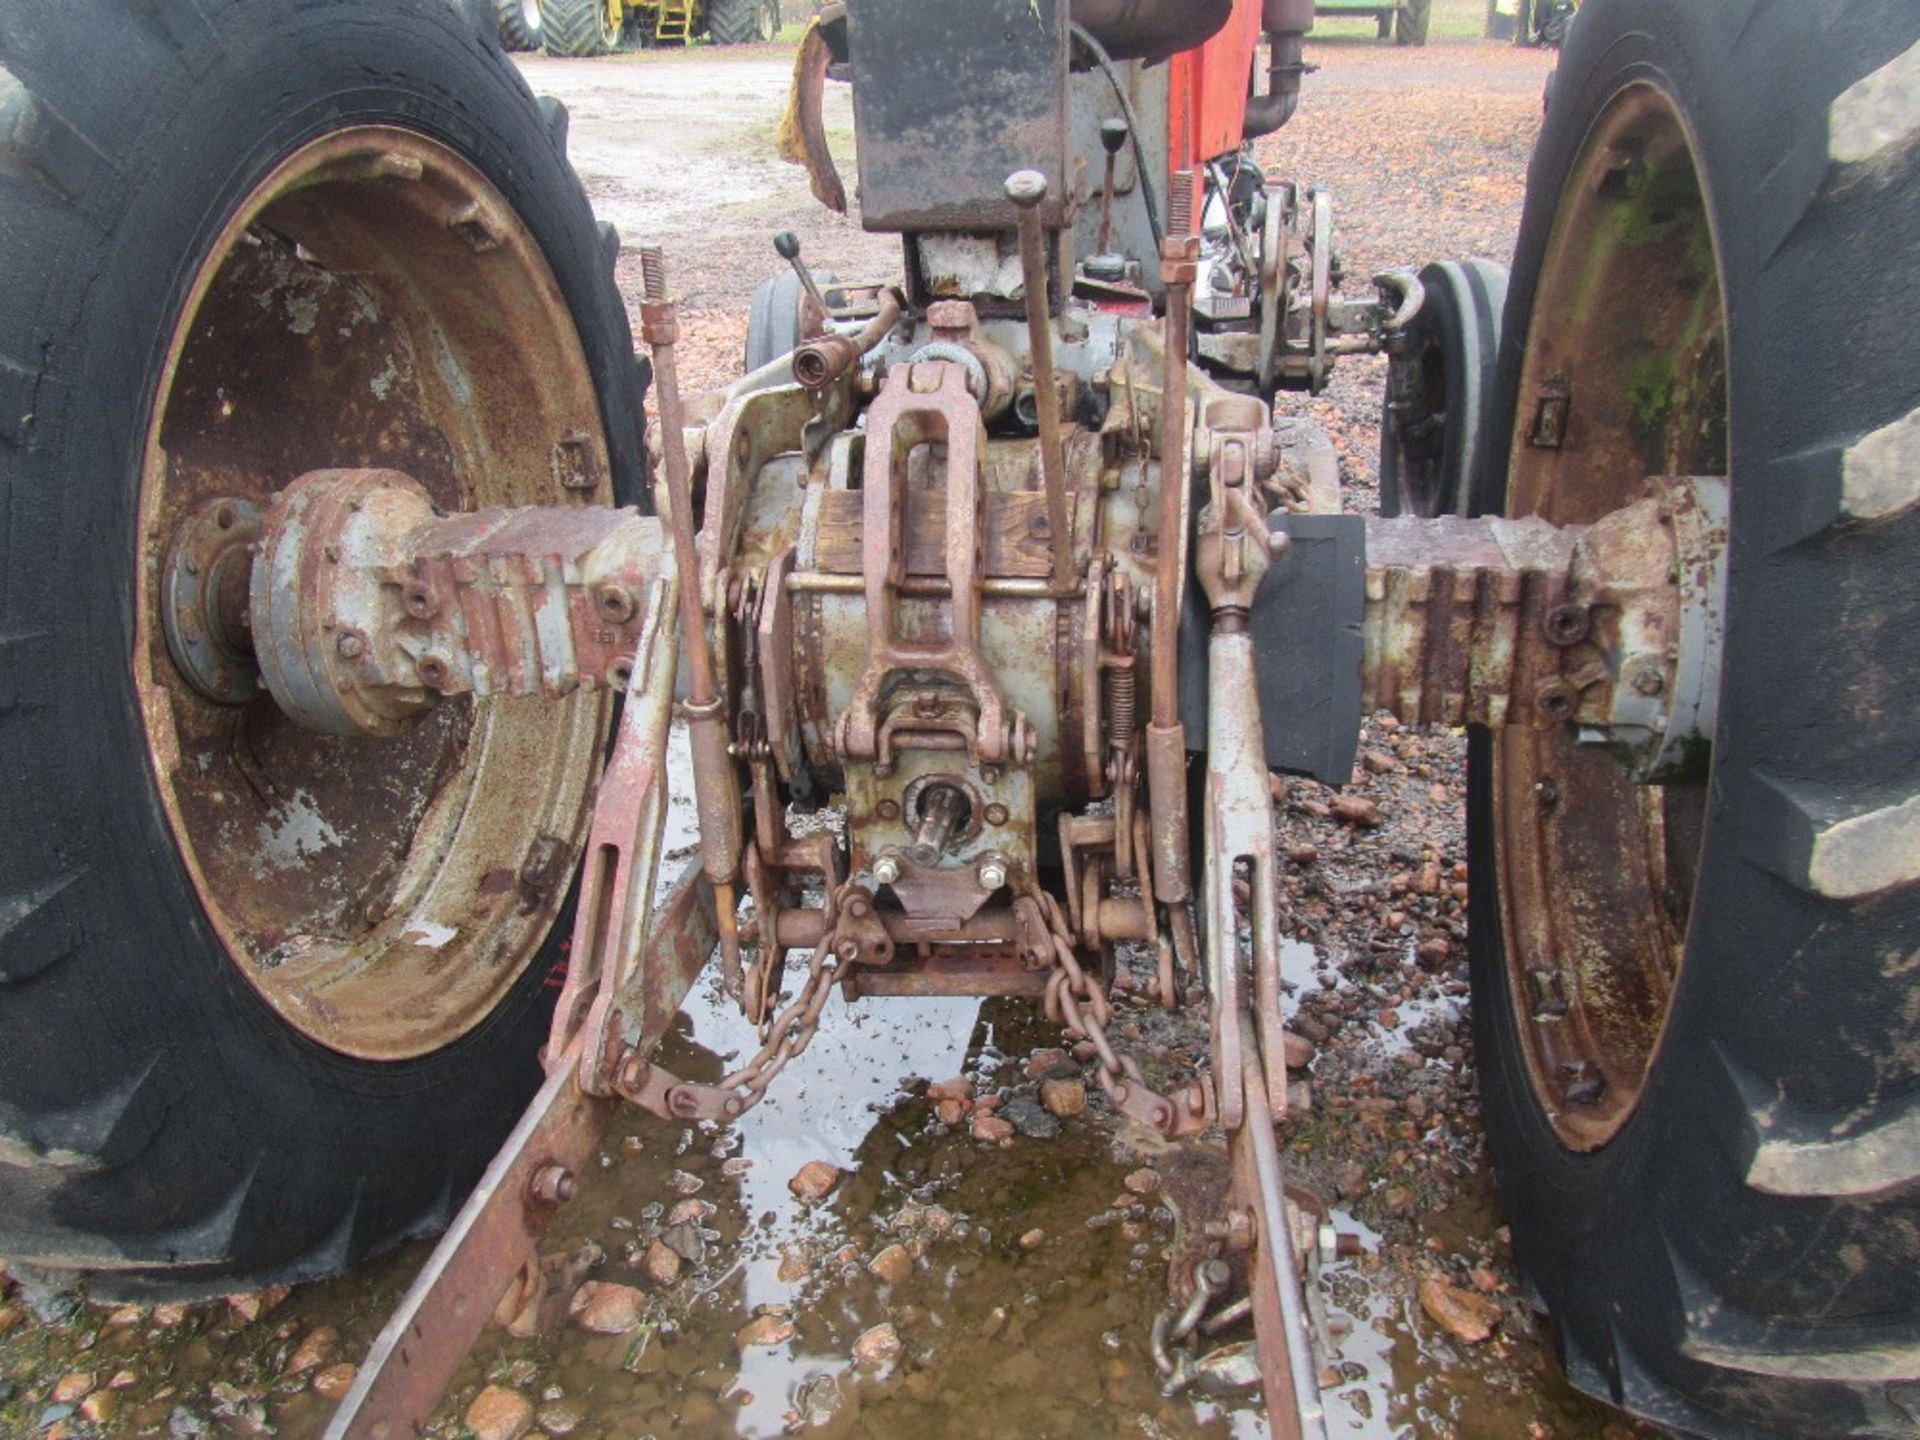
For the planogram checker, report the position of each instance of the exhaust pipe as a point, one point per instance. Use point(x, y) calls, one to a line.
point(1286, 23)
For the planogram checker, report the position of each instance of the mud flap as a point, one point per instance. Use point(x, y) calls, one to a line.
point(1307, 645)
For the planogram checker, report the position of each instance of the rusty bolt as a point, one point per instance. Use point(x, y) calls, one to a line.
point(634, 1070)
point(1566, 624)
point(419, 599)
point(887, 810)
point(1649, 682)
point(1585, 1084)
point(996, 814)
point(615, 603)
point(351, 644)
point(848, 950)
point(1235, 1228)
point(551, 1185)
point(886, 870)
point(992, 873)
point(858, 907)
point(1555, 700)
point(433, 672)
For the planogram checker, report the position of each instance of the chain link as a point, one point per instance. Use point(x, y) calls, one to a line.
point(790, 1032)
point(1173, 1337)
point(1073, 999)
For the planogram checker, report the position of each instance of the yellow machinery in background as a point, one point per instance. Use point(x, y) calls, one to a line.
point(595, 27)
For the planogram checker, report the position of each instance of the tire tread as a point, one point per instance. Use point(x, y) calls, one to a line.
point(35, 931)
point(572, 28)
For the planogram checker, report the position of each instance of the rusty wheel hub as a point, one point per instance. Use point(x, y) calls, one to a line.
point(1625, 377)
point(374, 303)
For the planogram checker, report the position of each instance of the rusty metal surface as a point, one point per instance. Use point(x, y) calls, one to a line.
point(366, 609)
point(611, 935)
point(1456, 620)
point(1287, 1369)
point(919, 405)
point(400, 1383)
point(716, 777)
point(495, 1235)
point(1625, 378)
point(818, 363)
point(341, 320)
point(1027, 189)
point(1611, 627)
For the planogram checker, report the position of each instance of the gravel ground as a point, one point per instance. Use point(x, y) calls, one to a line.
point(956, 1282)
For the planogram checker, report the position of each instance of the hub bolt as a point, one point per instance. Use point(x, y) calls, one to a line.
point(551, 1185)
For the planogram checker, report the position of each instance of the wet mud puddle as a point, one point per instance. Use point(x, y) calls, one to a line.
point(944, 1285)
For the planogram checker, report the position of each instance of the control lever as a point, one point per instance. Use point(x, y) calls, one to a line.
point(1103, 265)
point(1113, 136)
point(787, 245)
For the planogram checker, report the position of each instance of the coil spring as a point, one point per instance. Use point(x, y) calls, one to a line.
point(1122, 706)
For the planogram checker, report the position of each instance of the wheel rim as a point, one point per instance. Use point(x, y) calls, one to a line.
point(373, 301)
point(1625, 363)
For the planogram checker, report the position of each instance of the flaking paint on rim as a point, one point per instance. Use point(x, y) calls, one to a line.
point(373, 301)
point(1596, 873)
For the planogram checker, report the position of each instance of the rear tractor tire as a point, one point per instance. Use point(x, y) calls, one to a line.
point(1697, 1004)
point(1410, 25)
point(270, 1000)
point(578, 29)
point(739, 22)
point(520, 27)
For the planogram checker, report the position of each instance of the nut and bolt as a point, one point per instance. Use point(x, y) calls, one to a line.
point(1567, 624)
point(1234, 1229)
point(420, 601)
point(886, 869)
point(351, 644)
point(1556, 700)
point(551, 1185)
point(992, 873)
point(615, 603)
point(996, 814)
point(1649, 682)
